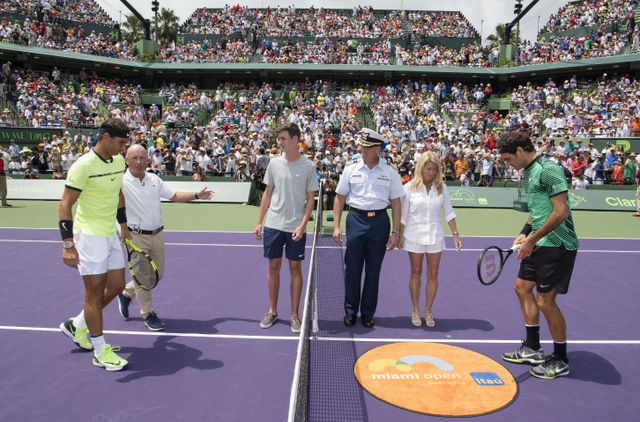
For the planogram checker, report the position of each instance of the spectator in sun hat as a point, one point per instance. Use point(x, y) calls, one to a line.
point(368, 187)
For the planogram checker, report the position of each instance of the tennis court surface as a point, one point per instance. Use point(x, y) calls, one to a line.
point(213, 362)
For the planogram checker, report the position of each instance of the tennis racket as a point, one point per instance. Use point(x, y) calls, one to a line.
point(143, 269)
point(491, 263)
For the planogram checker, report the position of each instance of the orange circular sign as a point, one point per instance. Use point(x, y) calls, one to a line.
point(435, 379)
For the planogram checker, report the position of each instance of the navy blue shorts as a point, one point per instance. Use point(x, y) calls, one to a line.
point(275, 240)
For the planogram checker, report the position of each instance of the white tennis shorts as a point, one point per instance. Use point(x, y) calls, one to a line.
point(415, 247)
point(98, 254)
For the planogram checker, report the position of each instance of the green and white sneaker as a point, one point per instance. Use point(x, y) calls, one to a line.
point(108, 360)
point(80, 336)
point(552, 367)
point(524, 354)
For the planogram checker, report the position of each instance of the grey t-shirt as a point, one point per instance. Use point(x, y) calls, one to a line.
point(290, 183)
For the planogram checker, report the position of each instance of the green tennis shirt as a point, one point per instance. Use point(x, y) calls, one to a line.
point(544, 179)
point(99, 182)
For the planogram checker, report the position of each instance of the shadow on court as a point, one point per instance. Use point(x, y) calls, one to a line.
point(583, 366)
point(402, 322)
point(165, 357)
point(590, 367)
point(187, 326)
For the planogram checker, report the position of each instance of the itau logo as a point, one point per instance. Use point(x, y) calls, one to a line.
point(487, 379)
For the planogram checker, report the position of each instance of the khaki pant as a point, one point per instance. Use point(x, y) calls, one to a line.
point(154, 246)
point(3, 189)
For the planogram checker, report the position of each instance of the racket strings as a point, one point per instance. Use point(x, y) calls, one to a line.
point(490, 265)
point(142, 269)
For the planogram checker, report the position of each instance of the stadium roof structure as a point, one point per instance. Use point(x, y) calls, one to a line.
point(35, 56)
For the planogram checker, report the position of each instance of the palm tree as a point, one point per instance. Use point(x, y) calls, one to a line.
point(495, 40)
point(167, 25)
point(132, 29)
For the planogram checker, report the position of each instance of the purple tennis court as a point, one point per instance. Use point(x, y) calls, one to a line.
point(213, 362)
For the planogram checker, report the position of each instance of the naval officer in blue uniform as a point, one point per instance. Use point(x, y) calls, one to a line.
point(368, 187)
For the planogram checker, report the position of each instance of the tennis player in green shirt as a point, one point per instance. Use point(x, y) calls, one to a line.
point(548, 248)
point(91, 243)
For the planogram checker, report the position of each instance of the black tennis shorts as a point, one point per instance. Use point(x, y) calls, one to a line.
point(549, 267)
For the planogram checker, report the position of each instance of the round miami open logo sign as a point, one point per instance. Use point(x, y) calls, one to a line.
point(435, 379)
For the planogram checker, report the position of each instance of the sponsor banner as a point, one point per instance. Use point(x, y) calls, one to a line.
point(26, 136)
point(482, 197)
point(602, 200)
point(496, 197)
point(596, 200)
point(52, 189)
point(31, 137)
point(436, 379)
point(629, 144)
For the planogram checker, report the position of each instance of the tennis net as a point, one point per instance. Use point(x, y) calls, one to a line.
point(299, 401)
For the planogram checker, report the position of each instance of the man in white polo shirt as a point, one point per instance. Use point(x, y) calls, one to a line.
point(143, 192)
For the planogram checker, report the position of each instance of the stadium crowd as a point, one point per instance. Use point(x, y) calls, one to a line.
point(47, 11)
point(592, 13)
point(55, 99)
point(470, 55)
point(73, 39)
point(440, 24)
point(362, 22)
point(562, 49)
point(325, 51)
point(414, 115)
point(220, 51)
point(243, 35)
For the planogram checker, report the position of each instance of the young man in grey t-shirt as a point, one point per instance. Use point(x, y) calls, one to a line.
point(287, 203)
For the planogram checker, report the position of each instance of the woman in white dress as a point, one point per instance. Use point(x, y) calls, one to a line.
point(425, 202)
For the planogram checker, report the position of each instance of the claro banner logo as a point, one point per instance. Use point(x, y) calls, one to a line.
point(616, 201)
point(435, 379)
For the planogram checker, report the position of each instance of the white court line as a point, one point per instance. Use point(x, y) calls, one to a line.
point(163, 333)
point(579, 250)
point(259, 245)
point(249, 232)
point(470, 341)
point(169, 231)
point(337, 339)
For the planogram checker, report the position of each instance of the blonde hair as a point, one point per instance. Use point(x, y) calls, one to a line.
point(428, 157)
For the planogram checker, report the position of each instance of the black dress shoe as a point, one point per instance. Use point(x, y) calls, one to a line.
point(349, 320)
point(367, 321)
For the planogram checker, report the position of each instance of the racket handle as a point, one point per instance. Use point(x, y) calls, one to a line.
point(515, 248)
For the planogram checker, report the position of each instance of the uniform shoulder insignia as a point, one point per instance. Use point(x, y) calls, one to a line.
point(352, 162)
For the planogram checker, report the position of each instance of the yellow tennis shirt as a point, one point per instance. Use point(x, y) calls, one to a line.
point(99, 182)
